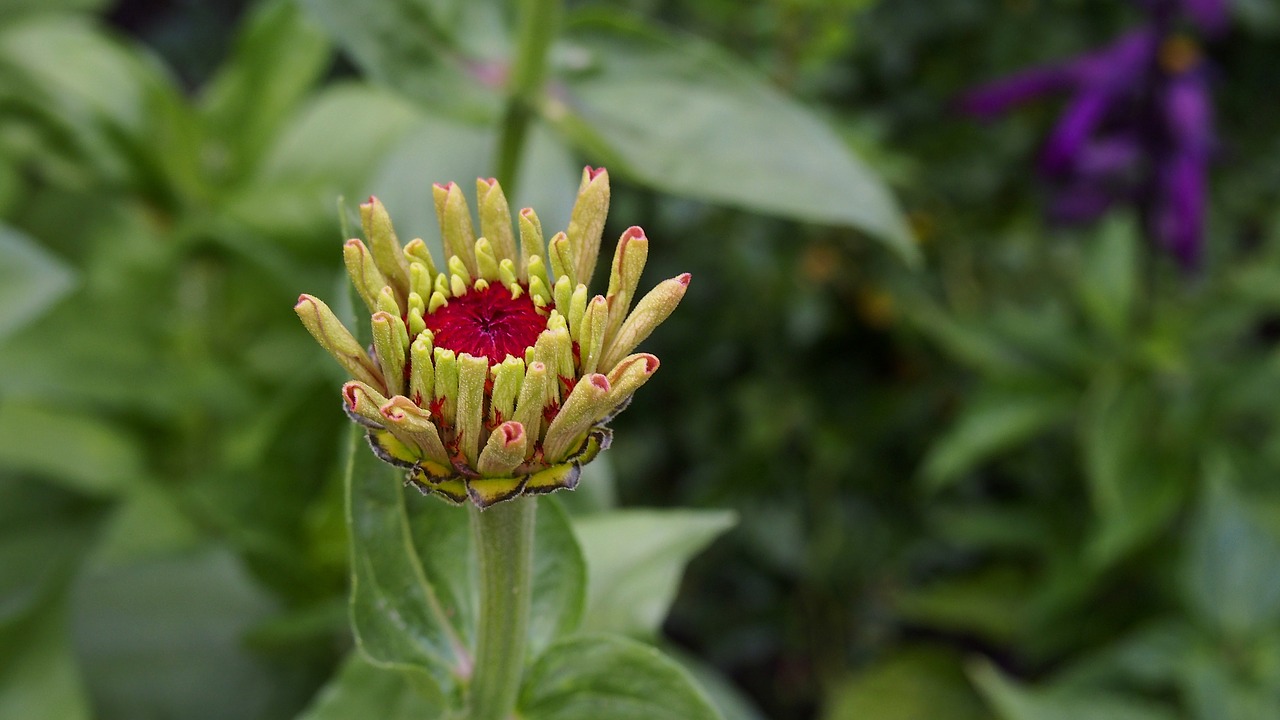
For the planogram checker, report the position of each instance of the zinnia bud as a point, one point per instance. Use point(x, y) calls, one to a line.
point(495, 376)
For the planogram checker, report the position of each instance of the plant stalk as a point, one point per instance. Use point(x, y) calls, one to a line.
point(503, 536)
point(539, 24)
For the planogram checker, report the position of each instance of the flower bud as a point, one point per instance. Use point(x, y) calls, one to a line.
point(384, 245)
point(328, 330)
point(649, 313)
point(531, 244)
point(495, 217)
point(365, 276)
point(455, 224)
point(582, 409)
point(586, 223)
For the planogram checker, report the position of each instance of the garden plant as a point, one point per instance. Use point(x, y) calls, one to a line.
point(958, 326)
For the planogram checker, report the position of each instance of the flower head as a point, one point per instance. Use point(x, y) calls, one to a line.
point(495, 373)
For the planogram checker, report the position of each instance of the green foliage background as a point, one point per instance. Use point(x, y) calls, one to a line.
point(982, 467)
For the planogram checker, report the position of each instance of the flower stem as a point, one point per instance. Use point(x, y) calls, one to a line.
point(539, 22)
point(503, 536)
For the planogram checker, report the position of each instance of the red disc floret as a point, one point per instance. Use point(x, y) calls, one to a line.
point(487, 323)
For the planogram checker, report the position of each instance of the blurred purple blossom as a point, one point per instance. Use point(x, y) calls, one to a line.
point(1137, 127)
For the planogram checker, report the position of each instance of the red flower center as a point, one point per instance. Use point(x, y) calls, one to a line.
point(487, 323)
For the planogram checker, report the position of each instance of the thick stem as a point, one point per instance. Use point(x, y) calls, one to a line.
point(503, 536)
point(539, 22)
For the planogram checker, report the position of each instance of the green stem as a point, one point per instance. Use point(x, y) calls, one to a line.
point(504, 548)
point(539, 22)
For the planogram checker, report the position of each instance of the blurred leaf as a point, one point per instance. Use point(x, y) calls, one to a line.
point(74, 448)
point(996, 420)
point(603, 676)
point(44, 533)
point(164, 638)
point(31, 280)
point(1014, 702)
point(1134, 492)
point(1109, 278)
point(686, 118)
point(992, 603)
point(439, 150)
point(110, 101)
point(1232, 569)
point(909, 685)
point(329, 148)
point(146, 523)
point(361, 690)
point(969, 342)
point(439, 52)
point(730, 701)
point(1216, 689)
point(414, 594)
point(635, 559)
point(10, 9)
point(1150, 657)
point(38, 675)
point(277, 58)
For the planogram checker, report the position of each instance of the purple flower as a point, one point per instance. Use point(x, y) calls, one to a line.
point(1137, 127)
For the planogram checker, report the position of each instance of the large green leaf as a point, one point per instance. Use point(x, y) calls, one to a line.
point(1014, 702)
point(1232, 568)
point(594, 677)
point(414, 586)
point(439, 150)
point(165, 638)
point(277, 58)
point(635, 560)
point(362, 690)
point(684, 117)
point(441, 52)
point(330, 147)
point(30, 280)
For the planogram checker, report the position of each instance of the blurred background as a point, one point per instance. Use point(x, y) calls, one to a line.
point(983, 343)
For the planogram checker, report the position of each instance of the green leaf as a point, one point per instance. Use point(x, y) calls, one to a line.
point(594, 677)
point(635, 560)
point(362, 690)
point(1216, 688)
point(440, 150)
point(1134, 492)
point(70, 447)
point(165, 638)
point(414, 593)
point(729, 700)
point(996, 420)
point(1109, 278)
point(31, 280)
point(1231, 574)
point(1014, 702)
point(14, 8)
point(38, 675)
point(684, 117)
point(330, 147)
point(439, 52)
point(912, 684)
point(44, 533)
point(277, 58)
point(107, 99)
